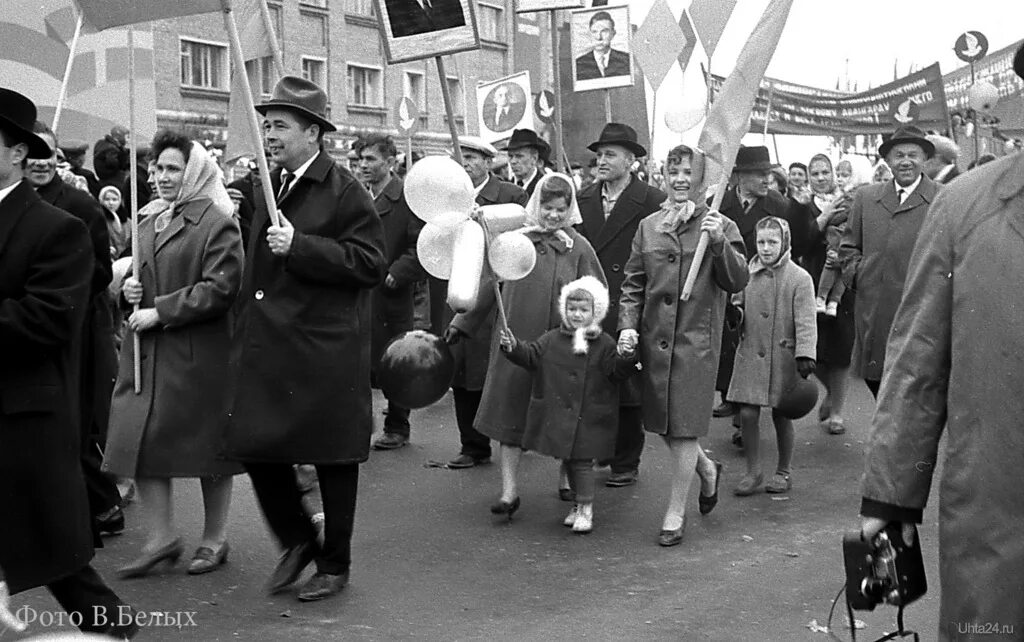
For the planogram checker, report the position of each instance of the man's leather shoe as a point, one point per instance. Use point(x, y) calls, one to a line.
point(390, 441)
point(467, 461)
point(290, 566)
point(724, 409)
point(618, 480)
point(322, 585)
point(111, 522)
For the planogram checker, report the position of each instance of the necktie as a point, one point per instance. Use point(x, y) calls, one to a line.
point(746, 206)
point(286, 184)
point(902, 193)
point(602, 64)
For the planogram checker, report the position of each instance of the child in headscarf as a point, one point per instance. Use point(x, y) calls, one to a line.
point(779, 339)
point(851, 173)
point(573, 411)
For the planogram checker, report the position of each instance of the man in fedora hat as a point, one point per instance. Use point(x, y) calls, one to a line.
point(747, 202)
point(884, 221)
point(46, 263)
point(953, 375)
point(472, 352)
point(526, 154)
point(301, 360)
point(612, 208)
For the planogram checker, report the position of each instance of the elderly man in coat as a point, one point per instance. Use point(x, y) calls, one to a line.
point(392, 301)
point(879, 237)
point(472, 354)
point(301, 355)
point(612, 209)
point(954, 368)
point(45, 268)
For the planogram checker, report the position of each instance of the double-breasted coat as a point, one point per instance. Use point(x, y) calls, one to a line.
point(778, 328)
point(190, 273)
point(612, 238)
point(300, 361)
point(574, 402)
point(531, 306)
point(679, 340)
point(393, 307)
point(875, 251)
point(954, 369)
point(45, 268)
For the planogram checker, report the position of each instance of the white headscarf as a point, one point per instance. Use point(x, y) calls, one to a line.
point(572, 216)
point(203, 178)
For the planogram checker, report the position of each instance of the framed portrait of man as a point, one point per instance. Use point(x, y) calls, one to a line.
point(503, 105)
point(417, 29)
point(527, 6)
point(602, 56)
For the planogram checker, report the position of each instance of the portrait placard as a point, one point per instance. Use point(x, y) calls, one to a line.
point(417, 29)
point(527, 6)
point(504, 105)
point(601, 50)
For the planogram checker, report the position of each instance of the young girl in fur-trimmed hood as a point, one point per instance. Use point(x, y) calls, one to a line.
point(573, 412)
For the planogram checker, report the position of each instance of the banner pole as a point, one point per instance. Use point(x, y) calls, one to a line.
point(446, 94)
point(608, 105)
point(557, 71)
point(275, 50)
point(408, 153)
point(977, 124)
point(133, 173)
point(250, 109)
point(67, 73)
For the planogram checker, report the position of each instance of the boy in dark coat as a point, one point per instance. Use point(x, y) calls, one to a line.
point(574, 407)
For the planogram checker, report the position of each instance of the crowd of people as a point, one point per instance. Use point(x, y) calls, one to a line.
point(885, 272)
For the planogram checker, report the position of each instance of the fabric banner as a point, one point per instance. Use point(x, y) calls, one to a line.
point(103, 14)
point(918, 99)
point(995, 68)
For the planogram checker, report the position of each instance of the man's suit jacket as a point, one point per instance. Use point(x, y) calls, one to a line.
point(507, 121)
point(618, 65)
point(407, 18)
point(45, 268)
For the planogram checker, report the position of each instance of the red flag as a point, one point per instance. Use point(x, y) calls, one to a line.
point(103, 14)
point(255, 38)
point(729, 117)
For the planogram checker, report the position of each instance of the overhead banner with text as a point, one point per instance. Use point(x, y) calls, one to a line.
point(918, 99)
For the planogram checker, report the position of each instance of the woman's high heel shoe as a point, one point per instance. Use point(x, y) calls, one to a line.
point(506, 508)
point(148, 561)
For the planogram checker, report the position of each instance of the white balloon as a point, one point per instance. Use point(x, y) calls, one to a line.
point(450, 220)
point(467, 262)
point(434, 249)
point(983, 96)
point(504, 217)
point(437, 185)
point(511, 256)
point(683, 119)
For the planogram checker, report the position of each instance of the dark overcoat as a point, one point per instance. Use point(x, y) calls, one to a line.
point(393, 307)
point(531, 305)
point(612, 239)
point(574, 403)
point(99, 357)
point(45, 268)
point(679, 340)
point(190, 274)
point(875, 252)
point(953, 375)
point(300, 361)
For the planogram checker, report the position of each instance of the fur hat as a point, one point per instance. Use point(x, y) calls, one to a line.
point(599, 295)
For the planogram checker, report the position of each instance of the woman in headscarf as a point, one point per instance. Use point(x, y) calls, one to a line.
point(680, 341)
point(835, 334)
point(190, 257)
point(532, 308)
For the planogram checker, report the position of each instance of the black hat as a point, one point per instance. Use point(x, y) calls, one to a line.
point(1018, 62)
point(17, 116)
point(752, 159)
point(301, 96)
point(907, 134)
point(528, 138)
point(74, 147)
point(798, 400)
point(621, 135)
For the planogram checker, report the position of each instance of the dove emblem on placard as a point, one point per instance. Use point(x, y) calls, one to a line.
point(972, 49)
point(403, 115)
point(546, 110)
point(903, 112)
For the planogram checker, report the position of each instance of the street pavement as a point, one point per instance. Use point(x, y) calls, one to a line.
point(432, 563)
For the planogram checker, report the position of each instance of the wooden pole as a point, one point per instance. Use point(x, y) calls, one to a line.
point(767, 117)
point(275, 50)
point(977, 124)
point(67, 73)
point(607, 105)
point(446, 94)
point(557, 71)
point(775, 144)
point(408, 153)
point(702, 243)
point(133, 173)
point(501, 305)
point(250, 109)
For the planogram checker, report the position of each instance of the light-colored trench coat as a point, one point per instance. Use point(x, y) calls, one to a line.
point(679, 340)
point(875, 251)
point(954, 364)
point(778, 327)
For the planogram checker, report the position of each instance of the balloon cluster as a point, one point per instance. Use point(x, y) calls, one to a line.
point(459, 235)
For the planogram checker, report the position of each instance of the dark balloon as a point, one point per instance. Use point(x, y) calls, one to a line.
point(799, 399)
point(416, 369)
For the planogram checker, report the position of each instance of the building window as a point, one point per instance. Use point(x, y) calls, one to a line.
point(492, 22)
point(313, 70)
point(319, 4)
point(262, 74)
point(204, 64)
point(458, 96)
point(415, 90)
point(277, 19)
point(364, 86)
point(361, 7)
